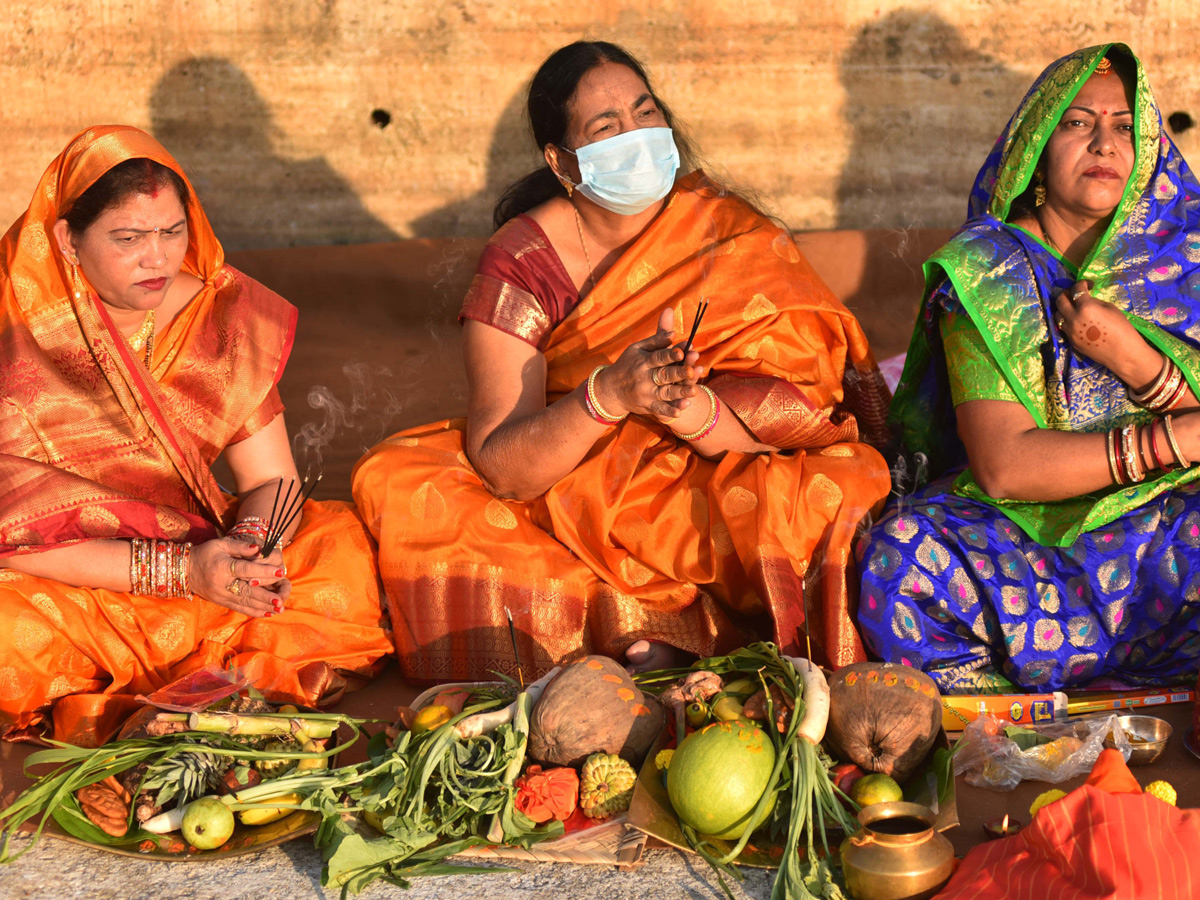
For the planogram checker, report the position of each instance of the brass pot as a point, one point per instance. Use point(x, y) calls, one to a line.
point(897, 855)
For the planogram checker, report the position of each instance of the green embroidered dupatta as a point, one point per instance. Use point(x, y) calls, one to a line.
point(1005, 280)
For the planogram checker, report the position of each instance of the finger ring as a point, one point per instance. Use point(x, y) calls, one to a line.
point(231, 562)
point(654, 376)
point(235, 587)
point(1075, 296)
point(1061, 323)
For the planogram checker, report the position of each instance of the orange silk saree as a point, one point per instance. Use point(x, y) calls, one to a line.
point(646, 538)
point(93, 444)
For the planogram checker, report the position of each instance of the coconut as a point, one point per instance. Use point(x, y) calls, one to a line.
point(593, 706)
point(883, 717)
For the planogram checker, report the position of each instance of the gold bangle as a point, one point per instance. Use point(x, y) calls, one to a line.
point(713, 412)
point(595, 401)
point(1132, 464)
point(1156, 386)
point(1111, 446)
point(1180, 459)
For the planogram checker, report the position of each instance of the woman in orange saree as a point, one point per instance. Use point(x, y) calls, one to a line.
point(110, 422)
point(697, 521)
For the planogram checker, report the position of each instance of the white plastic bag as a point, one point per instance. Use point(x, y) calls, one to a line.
point(991, 753)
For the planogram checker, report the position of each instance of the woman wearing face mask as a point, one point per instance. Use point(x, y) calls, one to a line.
point(611, 493)
point(1057, 355)
point(131, 357)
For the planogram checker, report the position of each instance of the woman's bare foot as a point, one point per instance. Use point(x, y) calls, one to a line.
point(646, 656)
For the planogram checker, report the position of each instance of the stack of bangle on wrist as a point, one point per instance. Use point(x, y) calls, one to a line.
point(251, 526)
point(1166, 392)
point(159, 568)
point(714, 415)
point(1127, 463)
point(595, 410)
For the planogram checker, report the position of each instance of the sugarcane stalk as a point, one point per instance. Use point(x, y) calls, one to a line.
point(232, 723)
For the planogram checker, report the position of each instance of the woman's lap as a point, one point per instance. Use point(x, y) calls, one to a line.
point(953, 587)
point(80, 643)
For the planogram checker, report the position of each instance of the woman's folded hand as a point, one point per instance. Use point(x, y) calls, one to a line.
point(651, 378)
point(228, 572)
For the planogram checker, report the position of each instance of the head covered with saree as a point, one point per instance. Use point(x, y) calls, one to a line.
point(1147, 264)
point(93, 443)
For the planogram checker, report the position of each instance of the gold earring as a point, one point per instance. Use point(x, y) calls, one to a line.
point(76, 282)
point(1039, 190)
point(570, 188)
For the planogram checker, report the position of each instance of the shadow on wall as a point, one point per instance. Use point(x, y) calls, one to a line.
point(511, 154)
point(924, 109)
point(208, 113)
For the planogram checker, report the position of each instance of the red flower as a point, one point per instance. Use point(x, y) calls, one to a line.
point(547, 795)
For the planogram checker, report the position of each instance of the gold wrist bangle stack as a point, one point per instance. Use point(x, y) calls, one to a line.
point(598, 412)
point(714, 413)
point(1166, 392)
point(159, 568)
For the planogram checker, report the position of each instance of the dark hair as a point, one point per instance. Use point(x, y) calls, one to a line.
point(550, 95)
point(124, 180)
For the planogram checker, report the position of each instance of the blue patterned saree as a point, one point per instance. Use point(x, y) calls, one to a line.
point(982, 593)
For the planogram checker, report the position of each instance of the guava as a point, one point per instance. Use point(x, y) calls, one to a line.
point(207, 823)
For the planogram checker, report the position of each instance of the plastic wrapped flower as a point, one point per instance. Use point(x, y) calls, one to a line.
point(546, 795)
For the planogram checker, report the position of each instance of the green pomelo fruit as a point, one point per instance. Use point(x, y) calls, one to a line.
point(207, 823)
point(717, 776)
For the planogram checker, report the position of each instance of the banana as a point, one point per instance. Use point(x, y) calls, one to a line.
point(742, 686)
point(727, 709)
point(265, 815)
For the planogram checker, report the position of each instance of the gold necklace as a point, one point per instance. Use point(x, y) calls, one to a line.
point(143, 337)
point(591, 278)
point(1046, 236)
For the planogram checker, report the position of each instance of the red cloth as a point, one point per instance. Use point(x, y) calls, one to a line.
point(1090, 845)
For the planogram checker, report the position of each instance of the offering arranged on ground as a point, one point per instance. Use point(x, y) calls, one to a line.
point(740, 758)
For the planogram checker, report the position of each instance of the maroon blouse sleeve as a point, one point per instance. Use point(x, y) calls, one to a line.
point(520, 285)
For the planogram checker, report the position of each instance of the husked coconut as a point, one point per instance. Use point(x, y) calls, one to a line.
point(593, 706)
point(884, 717)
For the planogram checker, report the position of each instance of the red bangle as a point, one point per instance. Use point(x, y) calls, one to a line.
point(1158, 463)
point(587, 401)
point(1122, 475)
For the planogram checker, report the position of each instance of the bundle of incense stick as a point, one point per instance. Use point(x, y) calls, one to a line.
point(283, 515)
point(695, 326)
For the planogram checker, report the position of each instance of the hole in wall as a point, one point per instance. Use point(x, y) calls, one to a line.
point(1180, 122)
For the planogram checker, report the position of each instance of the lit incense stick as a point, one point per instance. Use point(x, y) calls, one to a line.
point(512, 635)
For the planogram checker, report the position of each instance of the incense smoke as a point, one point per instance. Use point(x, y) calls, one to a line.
point(372, 407)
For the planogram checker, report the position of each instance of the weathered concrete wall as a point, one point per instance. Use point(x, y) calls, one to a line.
point(850, 114)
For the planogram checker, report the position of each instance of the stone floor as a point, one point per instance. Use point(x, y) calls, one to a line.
point(55, 869)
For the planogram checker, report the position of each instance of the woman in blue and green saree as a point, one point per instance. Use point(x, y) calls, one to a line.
point(1051, 383)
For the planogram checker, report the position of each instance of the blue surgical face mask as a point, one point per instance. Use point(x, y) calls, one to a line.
point(627, 173)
